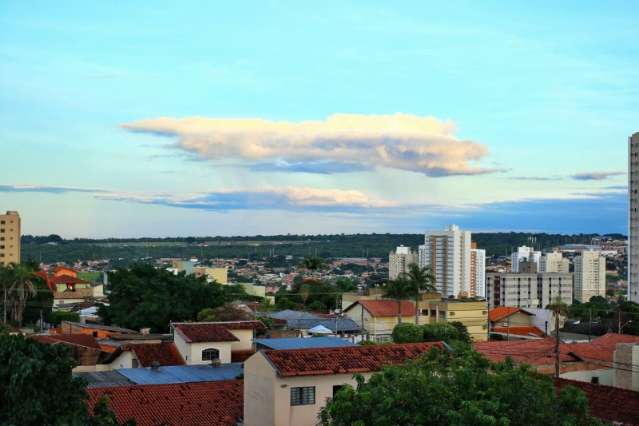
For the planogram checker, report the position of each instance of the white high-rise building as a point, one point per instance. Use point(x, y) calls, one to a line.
point(590, 276)
point(528, 290)
point(477, 273)
point(399, 260)
point(524, 254)
point(633, 220)
point(447, 254)
point(554, 262)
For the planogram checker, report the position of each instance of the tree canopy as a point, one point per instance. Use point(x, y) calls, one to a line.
point(36, 385)
point(143, 296)
point(449, 332)
point(462, 389)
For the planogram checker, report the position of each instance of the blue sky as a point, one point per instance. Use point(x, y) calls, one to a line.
point(234, 118)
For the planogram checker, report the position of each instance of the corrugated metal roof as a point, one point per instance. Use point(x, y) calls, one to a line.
point(102, 379)
point(182, 374)
point(299, 343)
point(343, 324)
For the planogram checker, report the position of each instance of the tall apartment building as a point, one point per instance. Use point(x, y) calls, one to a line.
point(447, 253)
point(524, 254)
point(9, 238)
point(554, 262)
point(633, 222)
point(477, 273)
point(528, 290)
point(399, 260)
point(590, 275)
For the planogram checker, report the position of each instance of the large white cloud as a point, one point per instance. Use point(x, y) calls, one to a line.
point(399, 141)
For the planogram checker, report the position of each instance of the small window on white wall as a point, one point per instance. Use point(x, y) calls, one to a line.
point(210, 354)
point(134, 363)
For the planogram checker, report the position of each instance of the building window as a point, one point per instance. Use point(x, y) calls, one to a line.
point(303, 395)
point(210, 354)
point(134, 363)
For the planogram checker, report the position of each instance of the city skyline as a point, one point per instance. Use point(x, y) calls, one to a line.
point(197, 120)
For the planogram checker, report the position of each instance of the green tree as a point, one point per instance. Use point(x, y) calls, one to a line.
point(57, 317)
point(19, 286)
point(344, 285)
point(407, 333)
point(462, 389)
point(419, 279)
point(36, 385)
point(143, 296)
point(398, 289)
point(312, 263)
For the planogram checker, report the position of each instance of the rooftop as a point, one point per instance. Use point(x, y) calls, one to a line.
point(204, 403)
point(85, 340)
point(343, 360)
point(386, 308)
point(204, 332)
point(300, 343)
point(526, 331)
point(164, 353)
point(608, 403)
point(502, 312)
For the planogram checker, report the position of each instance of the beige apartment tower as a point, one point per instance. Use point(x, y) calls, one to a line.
point(9, 238)
point(590, 276)
point(633, 219)
point(399, 260)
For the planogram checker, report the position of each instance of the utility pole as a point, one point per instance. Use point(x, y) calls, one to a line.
point(557, 344)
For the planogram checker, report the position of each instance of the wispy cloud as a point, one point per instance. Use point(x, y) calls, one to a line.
point(46, 189)
point(342, 142)
point(536, 178)
point(596, 175)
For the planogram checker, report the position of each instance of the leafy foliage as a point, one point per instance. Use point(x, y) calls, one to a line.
point(408, 333)
point(58, 316)
point(609, 314)
point(226, 312)
point(143, 296)
point(453, 332)
point(36, 386)
point(464, 389)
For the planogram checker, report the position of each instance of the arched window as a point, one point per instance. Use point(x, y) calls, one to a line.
point(210, 354)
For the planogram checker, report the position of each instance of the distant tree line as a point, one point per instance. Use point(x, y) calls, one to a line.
point(324, 246)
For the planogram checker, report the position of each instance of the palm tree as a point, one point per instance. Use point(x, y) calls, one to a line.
point(398, 289)
point(558, 307)
point(312, 263)
point(21, 287)
point(4, 287)
point(419, 279)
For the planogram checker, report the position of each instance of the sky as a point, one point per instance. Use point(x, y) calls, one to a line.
point(162, 118)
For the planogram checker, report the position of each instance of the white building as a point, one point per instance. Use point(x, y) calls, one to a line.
point(633, 231)
point(554, 262)
point(447, 253)
point(399, 260)
point(524, 254)
point(590, 275)
point(528, 290)
point(477, 273)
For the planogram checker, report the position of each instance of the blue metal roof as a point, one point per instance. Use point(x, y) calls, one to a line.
point(300, 343)
point(182, 374)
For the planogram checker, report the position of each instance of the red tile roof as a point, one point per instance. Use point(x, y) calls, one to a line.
point(520, 331)
point(602, 348)
point(202, 403)
point(501, 312)
point(205, 332)
point(342, 360)
point(533, 352)
point(386, 308)
point(164, 353)
point(241, 356)
point(85, 340)
point(608, 403)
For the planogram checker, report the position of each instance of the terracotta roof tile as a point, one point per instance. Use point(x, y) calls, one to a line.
point(608, 403)
point(602, 348)
point(342, 360)
point(86, 340)
point(202, 403)
point(533, 352)
point(520, 331)
point(164, 353)
point(501, 312)
point(205, 332)
point(67, 279)
point(387, 308)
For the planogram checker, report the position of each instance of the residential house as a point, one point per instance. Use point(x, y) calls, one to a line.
point(290, 387)
point(301, 343)
point(233, 340)
point(85, 349)
point(472, 313)
point(145, 354)
point(513, 323)
point(377, 318)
